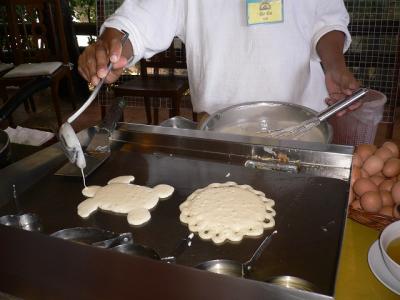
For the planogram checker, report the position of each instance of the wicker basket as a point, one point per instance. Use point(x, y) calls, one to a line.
point(372, 220)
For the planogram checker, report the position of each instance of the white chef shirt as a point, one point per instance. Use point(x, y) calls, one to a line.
point(230, 62)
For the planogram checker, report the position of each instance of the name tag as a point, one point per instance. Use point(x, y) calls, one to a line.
point(264, 11)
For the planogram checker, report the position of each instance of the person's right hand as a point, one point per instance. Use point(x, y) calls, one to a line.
point(92, 63)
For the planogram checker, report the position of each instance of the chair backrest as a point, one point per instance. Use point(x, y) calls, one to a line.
point(35, 31)
point(166, 63)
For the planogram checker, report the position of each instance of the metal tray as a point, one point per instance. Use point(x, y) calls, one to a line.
point(311, 209)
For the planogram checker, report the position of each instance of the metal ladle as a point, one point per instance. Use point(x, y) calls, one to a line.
point(69, 141)
point(235, 268)
point(141, 250)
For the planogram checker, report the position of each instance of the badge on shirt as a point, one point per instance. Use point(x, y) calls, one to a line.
point(264, 11)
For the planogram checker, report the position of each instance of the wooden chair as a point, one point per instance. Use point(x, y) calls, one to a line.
point(157, 84)
point(37, 46)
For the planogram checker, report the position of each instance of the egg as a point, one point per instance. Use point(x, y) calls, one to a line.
point(365, 151)
point(363, 185)
point(364, 174)
point(356, 204)
point(355, 174)
point(373, 165)
point(387, 211)
point(396, 192)
point(384, 153)
point(386, 185)
point(377, 179)
point(392, 147)
point(371, 201)
point(357, 161)
point(387, 199)
point(391, 167)
point(396, 211)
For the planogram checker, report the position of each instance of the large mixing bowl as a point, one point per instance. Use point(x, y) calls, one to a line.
point(256, 118)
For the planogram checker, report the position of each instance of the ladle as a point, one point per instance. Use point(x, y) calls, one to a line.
point(232, 267)
point(26, 221)
point(68, 138)
point(141, 250)
point(93, 236)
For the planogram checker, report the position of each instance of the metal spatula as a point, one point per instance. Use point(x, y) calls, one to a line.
point(304, 127)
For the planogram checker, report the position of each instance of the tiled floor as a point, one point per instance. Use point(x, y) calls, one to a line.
point(44, 117)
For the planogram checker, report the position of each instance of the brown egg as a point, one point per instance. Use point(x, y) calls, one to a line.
point(396, 211)
point(364, 174)
point(373, 165)
point(355, 174)
point(377, 179)
point(356, 204)
point(387, 211)
point(371, 201)
point(365, 151)
point(387, 199)
point(384, 153)
point(391, 167)
point(363, 185)
point(386, 185)
point(396, 192)
point(392, 147)
point(357, 161)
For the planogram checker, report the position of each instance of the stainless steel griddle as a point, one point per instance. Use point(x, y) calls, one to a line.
point(310, 191)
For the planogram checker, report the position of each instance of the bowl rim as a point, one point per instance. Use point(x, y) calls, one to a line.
point(382, 246)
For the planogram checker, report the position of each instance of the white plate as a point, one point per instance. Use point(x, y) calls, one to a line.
point(381, 272)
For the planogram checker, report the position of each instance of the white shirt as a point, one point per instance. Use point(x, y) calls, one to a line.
point(230, 62)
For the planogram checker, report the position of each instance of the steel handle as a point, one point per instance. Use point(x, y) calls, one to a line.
point(113, 115)
point(259, 251)
point(340, 105)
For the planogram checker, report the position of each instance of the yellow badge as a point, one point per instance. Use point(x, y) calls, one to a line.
point(264, 11)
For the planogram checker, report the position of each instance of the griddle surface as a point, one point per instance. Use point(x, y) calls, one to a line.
point(310, 213)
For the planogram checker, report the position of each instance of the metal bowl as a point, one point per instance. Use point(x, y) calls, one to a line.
point(256, 118)
point(293, 282)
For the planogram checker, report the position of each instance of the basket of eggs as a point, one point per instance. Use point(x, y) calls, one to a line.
point(374, 198)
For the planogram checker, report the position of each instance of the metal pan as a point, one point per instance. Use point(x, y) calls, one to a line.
point(232, 267)
point(94, 236)
point(141, 250)
point(254, 118)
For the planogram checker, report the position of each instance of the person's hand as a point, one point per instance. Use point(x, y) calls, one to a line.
point(92, 63)
point(341, 83)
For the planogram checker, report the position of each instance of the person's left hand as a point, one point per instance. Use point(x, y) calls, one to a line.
point(341, 83)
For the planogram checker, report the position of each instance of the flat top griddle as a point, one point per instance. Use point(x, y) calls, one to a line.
point(310, 213)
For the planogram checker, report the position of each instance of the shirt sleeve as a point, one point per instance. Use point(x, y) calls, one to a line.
point(330, 15)
point(151, 24)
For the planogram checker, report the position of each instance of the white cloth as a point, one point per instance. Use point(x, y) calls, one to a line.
point(28, 136)
point(33, 69)
point(230, 62)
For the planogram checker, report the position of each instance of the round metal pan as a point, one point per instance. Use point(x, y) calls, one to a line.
point(256, 118)
point(235, 268)
point(293, 282)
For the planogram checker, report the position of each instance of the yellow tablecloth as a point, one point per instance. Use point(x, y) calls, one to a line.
point(355, 279)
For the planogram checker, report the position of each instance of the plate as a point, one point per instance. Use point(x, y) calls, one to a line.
point(381, 272)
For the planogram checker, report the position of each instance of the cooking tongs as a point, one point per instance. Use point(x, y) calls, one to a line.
point(69, 141)
point(302, 128)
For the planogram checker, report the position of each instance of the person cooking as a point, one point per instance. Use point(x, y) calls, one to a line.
point(237, 50)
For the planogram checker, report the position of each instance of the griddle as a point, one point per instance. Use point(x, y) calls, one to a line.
point(311, 209)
